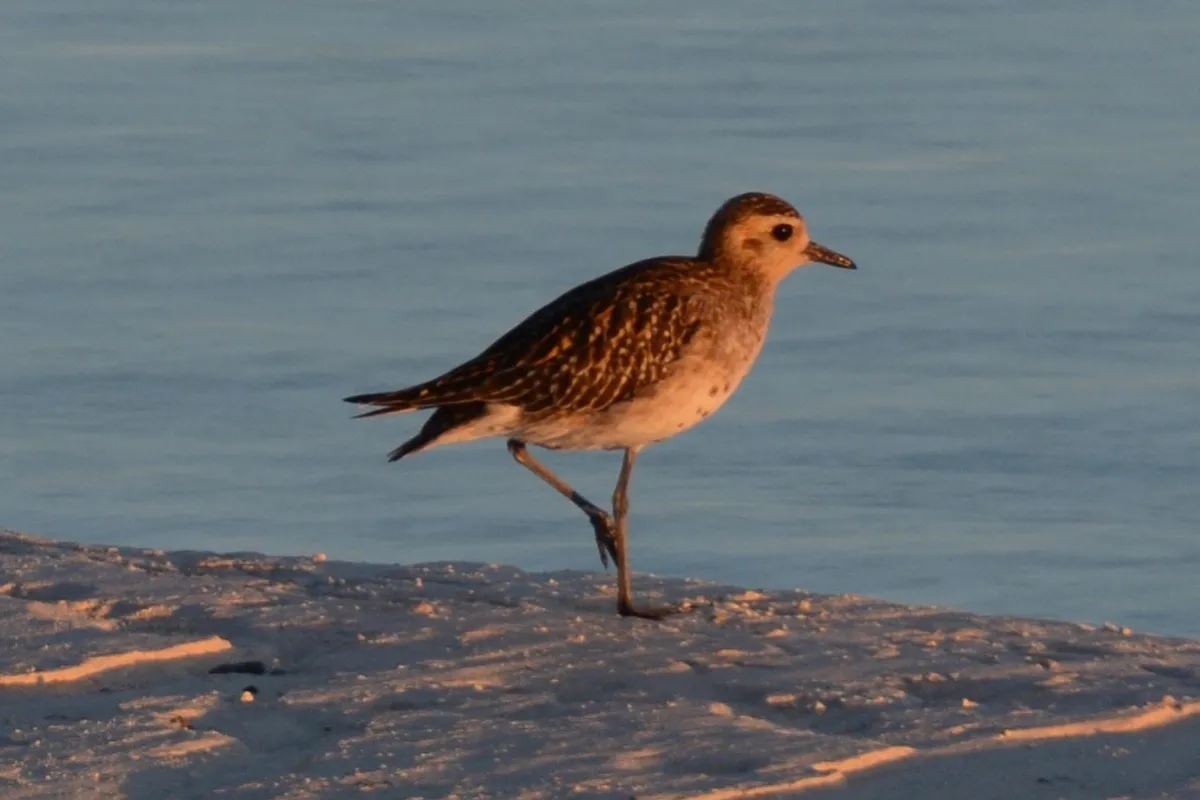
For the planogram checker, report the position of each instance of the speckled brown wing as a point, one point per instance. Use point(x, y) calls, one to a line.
point(594, 346)
point(602, 343)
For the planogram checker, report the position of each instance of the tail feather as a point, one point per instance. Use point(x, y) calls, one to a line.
point(390, 402)
point(443, 421)
point(440, 392)
point(375, 412)
point(402, 397)
point(463, 385)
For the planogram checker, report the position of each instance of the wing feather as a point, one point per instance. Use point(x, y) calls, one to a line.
point(596, 345)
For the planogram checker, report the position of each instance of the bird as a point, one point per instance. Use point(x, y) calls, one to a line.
point(622, 362)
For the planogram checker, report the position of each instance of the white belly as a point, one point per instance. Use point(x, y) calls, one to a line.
point(694, 390)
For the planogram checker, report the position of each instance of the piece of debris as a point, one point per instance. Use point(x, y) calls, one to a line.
point(240, 667)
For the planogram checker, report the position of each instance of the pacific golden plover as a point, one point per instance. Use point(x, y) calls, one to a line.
point(623, 361)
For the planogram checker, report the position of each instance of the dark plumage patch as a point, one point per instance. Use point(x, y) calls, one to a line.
point(445, 419)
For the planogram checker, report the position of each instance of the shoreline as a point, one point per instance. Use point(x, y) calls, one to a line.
point(142, 673)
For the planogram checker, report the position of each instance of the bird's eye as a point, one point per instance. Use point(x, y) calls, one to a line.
point(782, 232)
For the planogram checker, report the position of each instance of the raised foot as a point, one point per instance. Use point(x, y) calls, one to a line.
point(654, 613)
point(606, 535)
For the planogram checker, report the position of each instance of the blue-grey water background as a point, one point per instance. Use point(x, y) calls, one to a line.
point(217, 219)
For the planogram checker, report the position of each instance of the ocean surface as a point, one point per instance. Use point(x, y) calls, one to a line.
point(217, 219)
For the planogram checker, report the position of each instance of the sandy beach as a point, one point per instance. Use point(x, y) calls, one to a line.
point(150, 674)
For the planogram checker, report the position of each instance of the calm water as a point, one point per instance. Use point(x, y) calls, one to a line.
point(217, 219)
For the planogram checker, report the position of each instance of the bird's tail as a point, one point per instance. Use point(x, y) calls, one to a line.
point(448, 424)
point(387, 402)
point(458, 386)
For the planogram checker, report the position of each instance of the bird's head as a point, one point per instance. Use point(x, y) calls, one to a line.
point(764, 233)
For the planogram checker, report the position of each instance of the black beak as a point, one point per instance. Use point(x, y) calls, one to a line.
point(826, 256)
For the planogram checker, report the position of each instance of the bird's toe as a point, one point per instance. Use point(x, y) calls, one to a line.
point(606, 535)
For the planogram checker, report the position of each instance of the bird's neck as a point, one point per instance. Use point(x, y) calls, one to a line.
point(754, 288)
point(749, 276)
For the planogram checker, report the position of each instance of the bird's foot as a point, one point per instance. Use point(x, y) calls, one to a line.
point(606, 535)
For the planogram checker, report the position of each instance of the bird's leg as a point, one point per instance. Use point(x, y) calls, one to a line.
point(602, 521)
point(620, 501)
